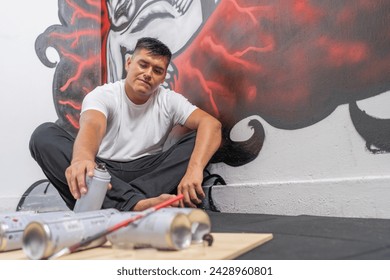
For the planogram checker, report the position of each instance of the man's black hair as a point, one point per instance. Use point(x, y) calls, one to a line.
point(154, 46)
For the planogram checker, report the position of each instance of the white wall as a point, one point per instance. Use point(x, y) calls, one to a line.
point(26, 93)
point(323, 169)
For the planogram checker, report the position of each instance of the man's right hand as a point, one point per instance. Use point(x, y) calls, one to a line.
point(76, 176)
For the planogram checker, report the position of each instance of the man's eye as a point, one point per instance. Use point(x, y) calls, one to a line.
point(142, 65)
point(158, 71)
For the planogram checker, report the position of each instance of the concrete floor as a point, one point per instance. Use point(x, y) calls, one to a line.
point(310, 237)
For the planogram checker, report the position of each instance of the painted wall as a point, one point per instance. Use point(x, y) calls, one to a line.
point(301, 88)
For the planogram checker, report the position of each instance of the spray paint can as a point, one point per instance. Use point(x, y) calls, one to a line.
point(43, 239)
point(13, 224)
point(160, 230)
point(97, 189)
point(199, 219)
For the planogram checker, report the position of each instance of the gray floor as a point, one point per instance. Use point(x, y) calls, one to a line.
point(310, 237)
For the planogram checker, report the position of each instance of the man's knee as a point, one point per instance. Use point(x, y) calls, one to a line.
point(43, 138)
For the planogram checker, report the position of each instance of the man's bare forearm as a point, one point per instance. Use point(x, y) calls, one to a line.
point(85, 148)
point(88, 140)
point(208, 140)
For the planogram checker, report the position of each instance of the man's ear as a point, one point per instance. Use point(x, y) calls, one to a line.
point(128, 62)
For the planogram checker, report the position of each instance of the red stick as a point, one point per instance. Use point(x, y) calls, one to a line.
point(141, 215)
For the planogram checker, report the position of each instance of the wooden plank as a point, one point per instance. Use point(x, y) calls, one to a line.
point(226, 246)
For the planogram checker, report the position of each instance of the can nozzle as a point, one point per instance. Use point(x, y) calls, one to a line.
point(101, 166)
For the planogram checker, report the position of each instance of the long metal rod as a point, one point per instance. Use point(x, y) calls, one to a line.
point(75, 247)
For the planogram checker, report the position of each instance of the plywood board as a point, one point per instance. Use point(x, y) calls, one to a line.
point(226, 246)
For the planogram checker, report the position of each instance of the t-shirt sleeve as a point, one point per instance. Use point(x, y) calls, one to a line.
point(96, 100)
point(180, 108)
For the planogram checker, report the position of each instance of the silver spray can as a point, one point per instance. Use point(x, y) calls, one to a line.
point(13, 224)
point(43, 239)
point(97, 189)
point(168, 231)
point(199, 219)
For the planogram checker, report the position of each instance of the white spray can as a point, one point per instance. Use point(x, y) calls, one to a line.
point(160, 230)
point(199, 219)
point(97, 189)
point(41, 239)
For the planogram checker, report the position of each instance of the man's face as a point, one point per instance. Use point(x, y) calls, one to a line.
point(145, 72)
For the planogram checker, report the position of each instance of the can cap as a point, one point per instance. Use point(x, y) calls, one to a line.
point(101, 172)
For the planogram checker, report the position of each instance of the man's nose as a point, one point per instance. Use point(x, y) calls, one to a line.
point(148, 73)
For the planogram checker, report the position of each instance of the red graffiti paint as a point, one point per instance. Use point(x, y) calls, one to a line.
point(82, 65)
point(291, 62)
point(83, 13)
point(74, 105)
point(75, 36)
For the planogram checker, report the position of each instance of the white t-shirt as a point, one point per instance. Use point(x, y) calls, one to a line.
point(134, 131)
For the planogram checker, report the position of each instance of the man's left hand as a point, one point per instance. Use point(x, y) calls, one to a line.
point(191, 188)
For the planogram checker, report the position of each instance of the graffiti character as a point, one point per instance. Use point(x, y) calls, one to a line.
point(174, 22)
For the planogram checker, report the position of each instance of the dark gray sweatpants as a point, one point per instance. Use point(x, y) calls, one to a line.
point(146, 177)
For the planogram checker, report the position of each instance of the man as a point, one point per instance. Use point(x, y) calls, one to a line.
point(125, 125)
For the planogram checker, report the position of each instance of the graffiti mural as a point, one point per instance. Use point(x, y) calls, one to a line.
point(292, 62)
